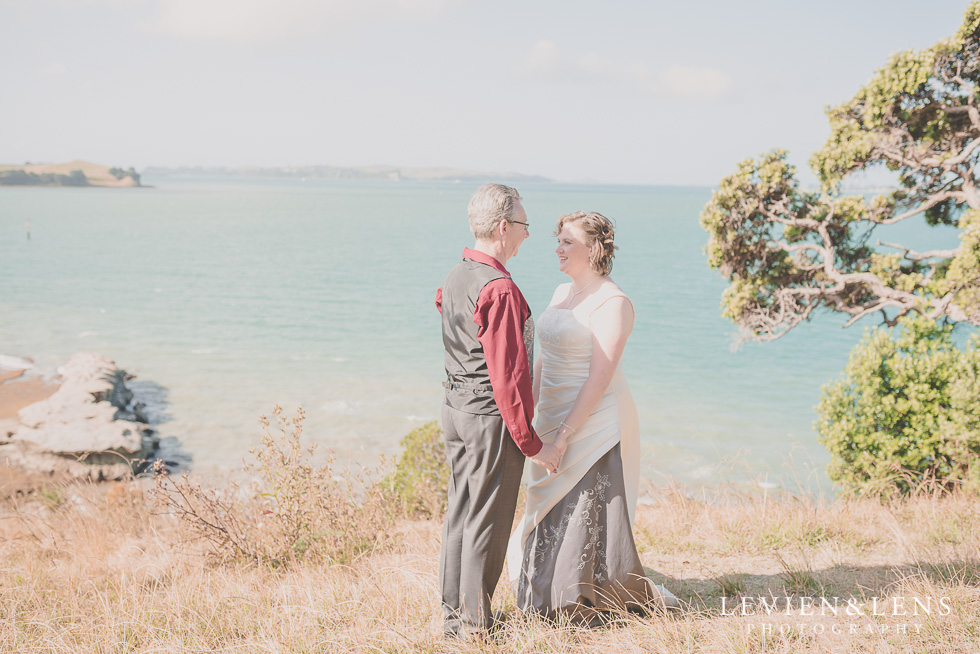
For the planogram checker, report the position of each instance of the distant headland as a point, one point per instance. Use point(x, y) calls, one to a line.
point(73, 173)
point(393, 173)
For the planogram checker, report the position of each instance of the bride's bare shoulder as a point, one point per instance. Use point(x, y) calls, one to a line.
point(612, 298)
point(610, 289)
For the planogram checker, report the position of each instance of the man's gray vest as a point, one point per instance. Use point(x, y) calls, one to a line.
point(467, 378)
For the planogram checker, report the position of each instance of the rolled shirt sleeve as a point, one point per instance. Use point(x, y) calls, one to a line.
point(500, 314)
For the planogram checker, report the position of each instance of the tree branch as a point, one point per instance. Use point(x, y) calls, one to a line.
point(916, 256)
point(969, 110)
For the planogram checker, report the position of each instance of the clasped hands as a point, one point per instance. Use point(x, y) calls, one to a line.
point(550, 455)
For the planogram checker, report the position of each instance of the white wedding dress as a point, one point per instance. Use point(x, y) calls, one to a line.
point(573, 551)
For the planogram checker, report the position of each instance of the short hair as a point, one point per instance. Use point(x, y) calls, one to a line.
point(489, 205)
point(599, 231)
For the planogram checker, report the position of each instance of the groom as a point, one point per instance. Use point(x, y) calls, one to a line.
point(488, 334)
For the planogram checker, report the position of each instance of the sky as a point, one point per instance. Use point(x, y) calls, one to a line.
point(625, 92)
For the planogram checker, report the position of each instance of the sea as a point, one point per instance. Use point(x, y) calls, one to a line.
point(225, 297)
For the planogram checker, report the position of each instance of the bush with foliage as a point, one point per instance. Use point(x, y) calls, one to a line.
point(421, 475)
point(296, 509)
point(906, 412)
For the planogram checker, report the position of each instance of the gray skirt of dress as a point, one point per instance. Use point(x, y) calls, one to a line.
point(581, 560)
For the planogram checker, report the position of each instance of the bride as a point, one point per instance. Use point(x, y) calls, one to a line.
point(573, 552)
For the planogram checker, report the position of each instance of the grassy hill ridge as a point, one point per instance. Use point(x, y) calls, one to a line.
point(73, 173)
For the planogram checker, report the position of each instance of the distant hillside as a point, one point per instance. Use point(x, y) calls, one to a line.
point(334, 172)
point(73, 173)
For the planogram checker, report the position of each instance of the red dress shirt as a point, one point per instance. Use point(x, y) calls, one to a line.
point(501, 312)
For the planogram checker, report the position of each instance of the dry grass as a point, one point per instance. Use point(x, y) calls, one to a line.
point(98, 569)
point(295, 508)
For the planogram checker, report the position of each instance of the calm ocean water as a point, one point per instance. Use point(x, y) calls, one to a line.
point(225, 297)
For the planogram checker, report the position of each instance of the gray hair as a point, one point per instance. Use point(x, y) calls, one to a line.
point(489, 205)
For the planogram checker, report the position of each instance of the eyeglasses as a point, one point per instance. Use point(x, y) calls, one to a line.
point(525, 225)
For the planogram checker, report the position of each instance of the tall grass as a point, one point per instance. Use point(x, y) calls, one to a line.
point(89, 568)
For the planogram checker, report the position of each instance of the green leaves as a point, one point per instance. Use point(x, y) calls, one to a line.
point(911, 115)
point(970, 27)
point(769, 237)
point(848, 148)
point(788, 252)
point(420, 477)
point(865, 125)
point(905, 410)
point(964, 270)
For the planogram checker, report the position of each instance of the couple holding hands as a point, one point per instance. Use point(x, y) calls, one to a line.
point(573, 552)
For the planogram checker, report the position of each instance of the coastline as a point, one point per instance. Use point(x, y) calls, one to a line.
point(310, 327)
point(86, 423)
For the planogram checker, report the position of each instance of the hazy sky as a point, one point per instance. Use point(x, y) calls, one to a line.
point(641, 91)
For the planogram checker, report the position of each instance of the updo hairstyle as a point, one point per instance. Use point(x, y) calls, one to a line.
point(599, 235)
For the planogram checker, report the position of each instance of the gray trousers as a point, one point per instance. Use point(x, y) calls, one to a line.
point(486, 469)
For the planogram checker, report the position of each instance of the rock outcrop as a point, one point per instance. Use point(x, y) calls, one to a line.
point(89, 428)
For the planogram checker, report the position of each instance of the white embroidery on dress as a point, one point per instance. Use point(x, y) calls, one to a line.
point(595, 548)
point(560, 327)
point(546, 546)
point(548, 328)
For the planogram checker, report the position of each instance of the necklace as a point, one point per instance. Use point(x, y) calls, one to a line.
point(571, 297)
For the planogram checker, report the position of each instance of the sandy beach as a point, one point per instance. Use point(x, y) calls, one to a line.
point(18, 389)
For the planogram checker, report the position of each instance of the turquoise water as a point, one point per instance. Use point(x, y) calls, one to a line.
point(225, 297)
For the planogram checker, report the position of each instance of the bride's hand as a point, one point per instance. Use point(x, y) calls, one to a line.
point(549, 457)
point(551, 453)
point(561, 439)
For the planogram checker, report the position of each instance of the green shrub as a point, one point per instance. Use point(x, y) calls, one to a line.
point(906, 412)
point(420, 479)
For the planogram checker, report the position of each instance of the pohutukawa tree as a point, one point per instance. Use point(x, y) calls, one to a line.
point(789, 252)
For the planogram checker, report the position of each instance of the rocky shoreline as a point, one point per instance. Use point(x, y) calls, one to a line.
point(86, 426)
